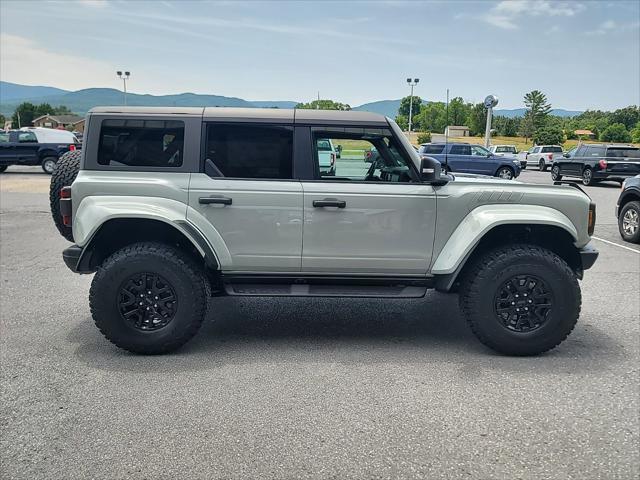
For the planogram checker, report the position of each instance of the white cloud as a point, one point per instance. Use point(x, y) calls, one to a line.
point(93, 3)
point(610, 26)
point(507, 13)
point(24, 61)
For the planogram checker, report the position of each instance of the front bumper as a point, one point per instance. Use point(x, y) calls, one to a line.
point(588, 256)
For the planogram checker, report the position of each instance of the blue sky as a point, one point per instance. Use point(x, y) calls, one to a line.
point(581, 54)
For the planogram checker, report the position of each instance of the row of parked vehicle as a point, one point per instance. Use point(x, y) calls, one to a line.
point(35, 146)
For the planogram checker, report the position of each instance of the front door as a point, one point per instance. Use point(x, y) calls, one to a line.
point(368, 218)
point(27, 148)
point(247, 193)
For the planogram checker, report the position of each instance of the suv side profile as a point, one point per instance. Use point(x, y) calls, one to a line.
point(543, 155)
point(468, 158)
point(595, 162)
point(174, 207)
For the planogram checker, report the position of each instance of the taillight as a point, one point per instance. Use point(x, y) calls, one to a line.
point(603, 164)
point(551, 156)
point(65, 192)
point(65, 205)
point(592, 219)
point(72, 148)
point(333, 158)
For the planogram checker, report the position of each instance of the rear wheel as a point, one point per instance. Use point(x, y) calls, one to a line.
point(505, 172)
point(587, 177)
point(629, 222)
point(49, 164)
point(542, 165)
point(520, 299)
point(65, 172)
point(3, 168)
point(555, 173)
point(148, 298)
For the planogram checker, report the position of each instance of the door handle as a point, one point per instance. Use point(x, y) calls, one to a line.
point(329, 202)
point(215, 200)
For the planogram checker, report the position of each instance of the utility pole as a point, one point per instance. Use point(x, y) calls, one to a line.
point(411, 84)
point(124, 77)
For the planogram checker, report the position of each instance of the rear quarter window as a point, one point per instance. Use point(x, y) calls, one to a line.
point(141, 143)
point(624, 153)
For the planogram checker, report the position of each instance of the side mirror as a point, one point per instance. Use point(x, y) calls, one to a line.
point(431, 171)
point(566, 155)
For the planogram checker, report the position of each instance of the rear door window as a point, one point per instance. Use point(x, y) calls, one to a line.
point(624, 153)
point(27, 137)
point(595, 151)
point(141, 143)
point(460, 150)
point(250, 151)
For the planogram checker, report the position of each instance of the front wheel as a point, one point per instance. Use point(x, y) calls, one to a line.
point(555, 173)
point(520, 299)
point(49, 164)
point(148, 298)
point(587, 177)
point(629, 222)
point(505, 172)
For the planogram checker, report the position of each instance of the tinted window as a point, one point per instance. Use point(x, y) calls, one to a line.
point(27, 137)
point(460, 150)
point(505, 150)
point(623, 152)
point(478, 151)
point(552, 149)
point(581, 151)
point(4, 138)
point(141, 143)
point(426, 149)
point(249, 151)
point(324, 145)
point(595, 151)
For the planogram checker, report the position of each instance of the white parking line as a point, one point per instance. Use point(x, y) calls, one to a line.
point(616, 244)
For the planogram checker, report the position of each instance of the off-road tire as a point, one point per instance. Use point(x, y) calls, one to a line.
point(486, 275)
point(542, 165)
point(46, 162)
point(3, 168)
point(63, 175)
point(628, 209)
point(555, 173)
point(587, 177)
point(180, 271)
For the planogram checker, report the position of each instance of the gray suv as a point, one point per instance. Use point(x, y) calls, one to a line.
point(172, 208)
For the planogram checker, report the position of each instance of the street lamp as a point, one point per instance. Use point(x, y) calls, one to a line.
point(411, 84)
point(124, 77)
point(489, 102)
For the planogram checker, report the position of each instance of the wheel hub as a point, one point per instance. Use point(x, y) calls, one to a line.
point(630, 222)
point(147, 301)
point(523, 303)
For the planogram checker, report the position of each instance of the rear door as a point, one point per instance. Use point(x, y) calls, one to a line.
point(245, 189)
point(370, 218)
point(459, 158)
point(623, 160)
point(26, 149)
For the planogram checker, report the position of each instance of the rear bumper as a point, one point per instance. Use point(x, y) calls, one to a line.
point(603, 175)
point(588, 256)
point(71, 257)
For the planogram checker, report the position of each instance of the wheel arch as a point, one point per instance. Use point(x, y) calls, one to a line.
point(116, 233)
point(489, 227)
point(632, 195)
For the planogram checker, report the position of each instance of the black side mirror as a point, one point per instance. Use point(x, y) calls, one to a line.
point(566, 155)
point(431, 171)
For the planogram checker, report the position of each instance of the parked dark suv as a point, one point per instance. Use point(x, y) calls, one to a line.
point(594, 162)
point(467, 158)
point(628, 210)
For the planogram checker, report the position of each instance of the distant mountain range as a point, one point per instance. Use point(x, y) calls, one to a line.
point(12, 94)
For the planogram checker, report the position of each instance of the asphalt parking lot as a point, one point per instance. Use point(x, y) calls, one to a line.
point(293, 388)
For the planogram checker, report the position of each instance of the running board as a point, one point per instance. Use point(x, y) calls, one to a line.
point(325, 287)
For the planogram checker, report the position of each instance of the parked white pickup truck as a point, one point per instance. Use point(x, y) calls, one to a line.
point(543, 155)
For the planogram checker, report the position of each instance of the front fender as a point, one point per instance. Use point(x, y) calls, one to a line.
point(482, 219)
point(93, 212)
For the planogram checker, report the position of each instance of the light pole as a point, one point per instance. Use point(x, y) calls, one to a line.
point(124, 79)
point(411, 84)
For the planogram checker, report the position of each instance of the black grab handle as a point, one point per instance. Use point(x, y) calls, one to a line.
point(328, 202)
point(215, 200)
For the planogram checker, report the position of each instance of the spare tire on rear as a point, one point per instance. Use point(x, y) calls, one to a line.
point(64, 173)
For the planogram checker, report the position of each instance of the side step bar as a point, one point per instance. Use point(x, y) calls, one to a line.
point(283, 286)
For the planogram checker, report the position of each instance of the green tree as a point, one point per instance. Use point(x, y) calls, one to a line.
point(635, 133)
point(2, 120)
point(537, 108)
point(628, 116)
point(403, 122)
point(527, 128)
point(26, 112)
point(404, 106)
point(477, 119)
point(424, 137)
point(616, 132)
point(324, 105)
point(549, 135)
point(432, 118)
point(458, 111)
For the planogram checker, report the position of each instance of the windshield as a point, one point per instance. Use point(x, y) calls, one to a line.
point(412, 152)
point(506, 150)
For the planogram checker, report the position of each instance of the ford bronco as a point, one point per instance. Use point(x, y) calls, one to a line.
point(173, 207)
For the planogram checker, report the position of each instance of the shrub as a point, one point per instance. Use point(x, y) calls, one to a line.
point(616, 132)
point(424, 137)
point(551, 135)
